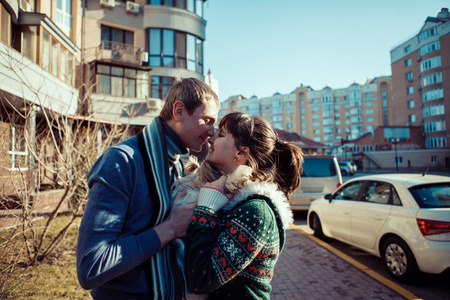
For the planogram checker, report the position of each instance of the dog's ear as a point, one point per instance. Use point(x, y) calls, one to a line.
point(191, 166)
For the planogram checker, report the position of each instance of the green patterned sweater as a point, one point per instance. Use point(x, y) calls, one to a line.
point(232, 253)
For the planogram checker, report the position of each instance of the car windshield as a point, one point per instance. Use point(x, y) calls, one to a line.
point(432, 195)
point(318, 167)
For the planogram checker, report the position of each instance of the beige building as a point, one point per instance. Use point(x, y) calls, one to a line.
point(421, 81)
point(327, 116)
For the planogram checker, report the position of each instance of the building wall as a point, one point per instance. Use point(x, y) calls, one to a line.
point(327, 116)
point(408, 72)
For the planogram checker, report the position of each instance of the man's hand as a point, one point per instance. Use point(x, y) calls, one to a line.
point(177, 223)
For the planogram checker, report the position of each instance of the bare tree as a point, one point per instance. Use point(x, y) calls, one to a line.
point(43, 151)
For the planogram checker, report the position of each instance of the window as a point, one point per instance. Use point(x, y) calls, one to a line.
point(169, 48)
point(368, 95)
point(316, 131)
point(432, 78)
point(64, 14)
point(433, 110)
point(160, 86)
point(409, 76)
point(411, 104)
point(349, 192)
point(316, 124)
point(407, 48)
point(289, 126)
point(195, 6)
point(425, 49)
point(399, 159)
point(377, 192)
point(369, 103)
point(412, 118)
point(370, 119)
point(288, 119)
point(315, 116)
point(426, 34)
point(410, 90)
point(430, 63)
point(432, 94)
point(436, 142)
point(434, 159)
point(369, 111)
point(435, 125)
point(18, 150)
point(115, 35)
point(408, 62)
point(121, 81)
point(5, 25)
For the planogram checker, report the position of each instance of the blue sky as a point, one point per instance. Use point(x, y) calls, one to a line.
point(260, 47)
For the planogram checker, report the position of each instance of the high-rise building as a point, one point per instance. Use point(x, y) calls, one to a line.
point(134, 50)
point(421, 80)
point(327, 116)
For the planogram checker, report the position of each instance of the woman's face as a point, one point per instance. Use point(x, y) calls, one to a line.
point(222, 151)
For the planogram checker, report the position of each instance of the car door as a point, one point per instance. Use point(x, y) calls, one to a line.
point(337, 213)
point(370, 213)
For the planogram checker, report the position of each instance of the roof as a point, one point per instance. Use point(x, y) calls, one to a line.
point(300, 140)
point(407, 179)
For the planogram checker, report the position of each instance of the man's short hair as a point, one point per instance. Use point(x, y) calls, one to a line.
point(192, 92)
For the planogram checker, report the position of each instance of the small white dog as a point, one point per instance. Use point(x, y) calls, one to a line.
point(197, 175)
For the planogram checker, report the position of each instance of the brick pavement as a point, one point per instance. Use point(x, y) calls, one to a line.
point(306, 270)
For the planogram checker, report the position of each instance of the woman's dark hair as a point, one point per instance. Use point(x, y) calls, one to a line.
point(270, 158)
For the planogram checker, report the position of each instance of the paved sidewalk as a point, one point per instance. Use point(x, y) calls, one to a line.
point(306, 270)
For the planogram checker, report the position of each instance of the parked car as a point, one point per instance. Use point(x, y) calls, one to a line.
point(347, 168)
point(321, 175)
point(402, 218)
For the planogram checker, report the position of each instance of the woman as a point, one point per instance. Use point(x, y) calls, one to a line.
point(232, 245)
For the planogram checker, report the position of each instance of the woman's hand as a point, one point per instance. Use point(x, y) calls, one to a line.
point(219, 184)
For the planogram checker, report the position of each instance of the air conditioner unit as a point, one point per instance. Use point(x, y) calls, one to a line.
point(421, 120)
point(153, 104)
point(107, 3)
point(419, 58)
point(421, 104)
point(144, 56)
point(407, 124)
point(132, 7)
point(419, 88)
point(419, 75)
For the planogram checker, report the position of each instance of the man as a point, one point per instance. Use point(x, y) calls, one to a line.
point(128, 246)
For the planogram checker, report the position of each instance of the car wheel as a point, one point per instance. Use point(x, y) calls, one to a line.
point(317, 227)
point(344, 173)
point(399, 260)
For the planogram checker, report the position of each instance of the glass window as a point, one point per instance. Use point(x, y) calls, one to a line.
point(46, 50)
point(191, 52)
point(180, 51)
point(411, 104)
point(410, 90)
point(168, 48)
point(377, 192)
point(54, 63)
point(18, 150)
point(349, 192)
point(160, 86)
point(64, 14)
point(29, 42)
point(5, 25)
point(432, 195)
point(408, 62)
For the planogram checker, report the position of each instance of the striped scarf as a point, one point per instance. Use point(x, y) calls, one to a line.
point(160, 148)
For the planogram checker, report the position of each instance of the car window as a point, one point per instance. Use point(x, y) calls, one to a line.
point(318, 167)
point(376, 192)
point(349, 191)
point(432, 195)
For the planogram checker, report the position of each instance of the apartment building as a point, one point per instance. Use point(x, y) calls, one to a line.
point(326, 116)
point(134, 50)
point(421, 81)
point(101, 61)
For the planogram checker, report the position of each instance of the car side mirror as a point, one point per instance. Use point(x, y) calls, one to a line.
point(329, 197)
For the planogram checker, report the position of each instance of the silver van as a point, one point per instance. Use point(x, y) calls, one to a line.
point(321, 176)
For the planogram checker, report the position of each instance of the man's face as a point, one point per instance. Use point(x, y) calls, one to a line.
point(197, 128)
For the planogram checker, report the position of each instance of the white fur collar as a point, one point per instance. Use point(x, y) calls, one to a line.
point(268, 189)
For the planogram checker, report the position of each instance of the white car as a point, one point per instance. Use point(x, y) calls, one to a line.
point(402, 218)
point(346, 168)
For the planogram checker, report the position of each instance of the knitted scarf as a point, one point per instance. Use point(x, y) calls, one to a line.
point(165, 270)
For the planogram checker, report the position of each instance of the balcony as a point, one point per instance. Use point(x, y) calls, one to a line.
point(120, 52)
